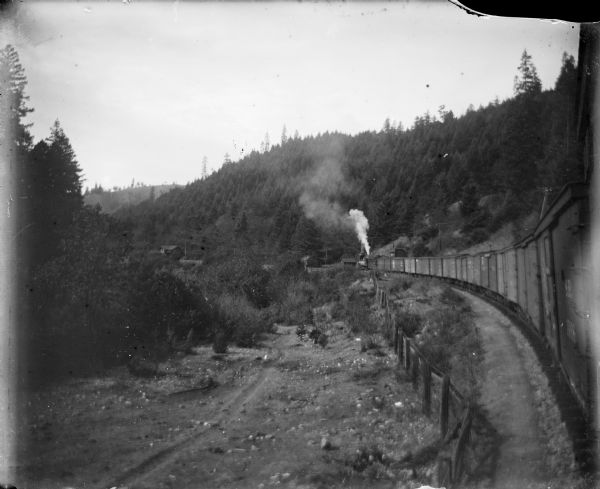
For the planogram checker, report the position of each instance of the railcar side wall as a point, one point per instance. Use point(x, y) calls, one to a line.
point(545, 278)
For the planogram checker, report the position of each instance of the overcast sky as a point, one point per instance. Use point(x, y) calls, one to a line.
point(145, 90)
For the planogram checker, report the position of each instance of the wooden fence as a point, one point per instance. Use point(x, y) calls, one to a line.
point(438, 394)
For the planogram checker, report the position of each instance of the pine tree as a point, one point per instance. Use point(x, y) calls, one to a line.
point(204, 168)
point(266, 144)
point(527, 81)
point(14, 101)
point(66, 172)
point(242, 226)
point(53, 192)
point(307, 238)
point(15, 142)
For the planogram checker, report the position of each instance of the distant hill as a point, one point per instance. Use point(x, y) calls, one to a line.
point(446, 183)
point(113, 200)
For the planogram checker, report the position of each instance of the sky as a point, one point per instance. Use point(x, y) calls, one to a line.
point(145, 90)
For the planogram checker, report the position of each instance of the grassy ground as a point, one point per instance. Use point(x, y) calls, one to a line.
point(441, 323)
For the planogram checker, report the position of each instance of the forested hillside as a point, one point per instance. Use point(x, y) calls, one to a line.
point(95, 292)
point(494, 163)
point(116, 198)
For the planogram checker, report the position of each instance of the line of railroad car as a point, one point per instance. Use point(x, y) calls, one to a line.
point(545, 278)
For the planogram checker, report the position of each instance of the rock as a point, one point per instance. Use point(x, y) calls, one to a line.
point(254, 448)
point(378, 402)
point(406, 474)
point(326, 444)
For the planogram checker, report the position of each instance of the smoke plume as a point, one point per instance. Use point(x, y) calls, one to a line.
point(361, 226)
point(322, 190)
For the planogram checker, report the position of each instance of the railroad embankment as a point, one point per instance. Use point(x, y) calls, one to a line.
point(535, 449)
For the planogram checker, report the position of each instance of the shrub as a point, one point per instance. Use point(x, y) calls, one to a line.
point(478, 235)
point(450, 341)
point(239, 322)
point(220, 341)
point(400, 284)
point(364, 457)
point(409, 322)
point(451, 297)
point(420, 250)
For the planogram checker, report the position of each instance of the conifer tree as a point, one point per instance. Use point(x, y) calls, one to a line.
point(204, 168)
point(53, 192)
point(13, 99)
point(527, 81)
point(307, 238)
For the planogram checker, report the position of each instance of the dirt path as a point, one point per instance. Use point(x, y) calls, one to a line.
point(508, 398)
point(229, 409)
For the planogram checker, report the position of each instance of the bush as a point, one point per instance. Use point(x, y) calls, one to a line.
point(239, 322)
point(450, 341)
point(420, 250)
point(239, 275)
point(409, 322)
point(296, 306)
point(400, 284)
point(162, 305)
point(360, 319)
point(477, 235)
point(221, 341)
point(451, 297)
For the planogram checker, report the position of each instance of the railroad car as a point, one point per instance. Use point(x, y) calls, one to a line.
point(544, 279)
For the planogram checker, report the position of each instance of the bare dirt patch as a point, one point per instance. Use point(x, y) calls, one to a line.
point(291, 414)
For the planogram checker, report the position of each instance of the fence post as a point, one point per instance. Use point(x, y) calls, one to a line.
point(426, 372)
point(444, 472)
point(444, 404)
point(406, 354)
point(414, 373)
point(400, 345)
point(463, 438)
